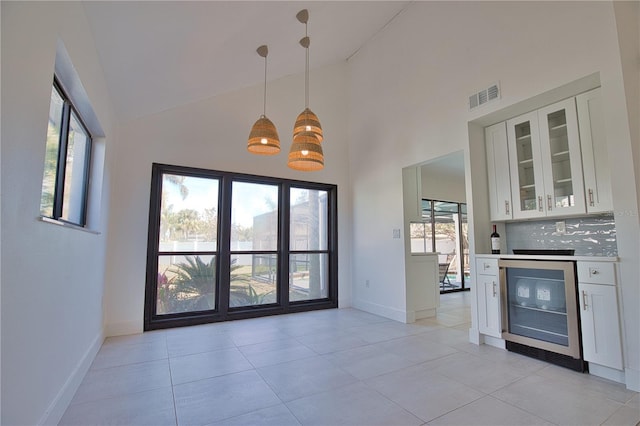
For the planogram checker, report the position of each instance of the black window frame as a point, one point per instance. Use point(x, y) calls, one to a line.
point(63, 144)
point(222, 311)
point(432, 221)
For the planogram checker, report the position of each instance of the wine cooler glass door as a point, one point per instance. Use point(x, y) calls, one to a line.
point(540, 305)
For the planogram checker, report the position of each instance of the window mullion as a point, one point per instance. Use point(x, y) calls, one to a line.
point(224, 235)
point(283, 245)
point(332, 246)
point(433, 227)
point(86, 172)
point(62, 163)
point(153, 238)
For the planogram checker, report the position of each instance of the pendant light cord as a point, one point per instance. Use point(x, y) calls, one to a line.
point(264, 99)
point(306, 80)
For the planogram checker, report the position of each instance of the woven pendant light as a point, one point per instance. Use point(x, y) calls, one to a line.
point(306, 153)
point(307, 121)
point(263, 138)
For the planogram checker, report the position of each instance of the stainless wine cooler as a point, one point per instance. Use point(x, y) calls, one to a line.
point(539, 310)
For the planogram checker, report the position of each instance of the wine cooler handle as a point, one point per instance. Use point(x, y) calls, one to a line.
point(539, 202)
point(549, 202)
point(585, 298)
point(494, 289)
point(591, 203)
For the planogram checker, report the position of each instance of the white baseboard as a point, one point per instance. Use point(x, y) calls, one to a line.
point(413, 316)
point(495, 342)
point(123, 328)
point(384, 311)
point(474, 336)
point(344, 303)
point(59, 405)
point(632, 379)
point(606, 372)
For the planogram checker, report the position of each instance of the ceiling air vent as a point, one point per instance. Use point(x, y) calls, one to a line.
point(489, 94)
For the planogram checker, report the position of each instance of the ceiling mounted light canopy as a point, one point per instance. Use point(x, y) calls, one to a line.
point(306, 150)
point(263, 138)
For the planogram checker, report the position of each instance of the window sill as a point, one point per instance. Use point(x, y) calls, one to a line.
point(67, 225)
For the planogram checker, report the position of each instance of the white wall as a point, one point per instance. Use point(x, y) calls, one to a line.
point(628, 26)
point(628, 23)
point(408, 91)
point(212, 134)
point(52, 276)
point(0, 235)
point(439, 185)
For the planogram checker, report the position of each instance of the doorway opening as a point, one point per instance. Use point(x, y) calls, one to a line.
point(444, 230)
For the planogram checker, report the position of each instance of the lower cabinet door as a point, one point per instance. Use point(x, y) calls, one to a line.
point(489, 305)
point(601, 343)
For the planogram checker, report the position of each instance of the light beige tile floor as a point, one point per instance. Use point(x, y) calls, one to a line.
point(337, 367)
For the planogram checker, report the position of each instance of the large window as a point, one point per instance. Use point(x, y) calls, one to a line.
point(66, 168)
point(308, 250)
point(254, 244)
point(229, 246)
point(444, 229)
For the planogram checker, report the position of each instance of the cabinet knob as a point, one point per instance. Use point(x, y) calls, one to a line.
point(594, 271)
point(506, 207)
point(540, 203)
point(591, 203)
point(549, 205)
point(494, 289)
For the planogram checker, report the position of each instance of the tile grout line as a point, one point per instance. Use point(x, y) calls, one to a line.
point(173, 394)
point(521, 408)
point(515, 406)
point(424, 422)
point(277, 396)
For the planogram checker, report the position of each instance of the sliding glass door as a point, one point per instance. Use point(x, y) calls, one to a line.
point(227, 246)
point(444, 229)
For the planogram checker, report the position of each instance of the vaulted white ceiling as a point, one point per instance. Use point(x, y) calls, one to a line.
point(158, 55)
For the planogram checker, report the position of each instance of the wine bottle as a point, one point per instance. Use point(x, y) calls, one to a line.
point(495, 241)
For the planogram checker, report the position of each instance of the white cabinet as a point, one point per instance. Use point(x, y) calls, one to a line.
point(488, 296)
point(498, 171)
point(423, 289)
point(595, 160)
point(545, 162)
point(601, 341)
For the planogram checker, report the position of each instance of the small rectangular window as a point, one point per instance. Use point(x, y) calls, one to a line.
point(67, 159)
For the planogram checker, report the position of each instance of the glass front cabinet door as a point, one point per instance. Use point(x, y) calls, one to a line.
point(527, 187)
point(545, 162)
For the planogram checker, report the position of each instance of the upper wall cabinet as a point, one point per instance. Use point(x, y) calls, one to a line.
point(498, 171)
point(545, 162)
point(595, 160)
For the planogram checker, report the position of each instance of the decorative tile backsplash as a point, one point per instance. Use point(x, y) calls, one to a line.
point(588, 236)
